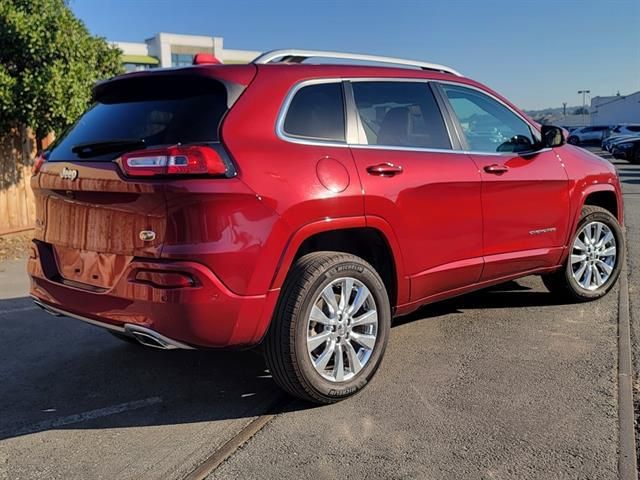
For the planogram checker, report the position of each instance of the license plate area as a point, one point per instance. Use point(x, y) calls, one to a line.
point(86, 267)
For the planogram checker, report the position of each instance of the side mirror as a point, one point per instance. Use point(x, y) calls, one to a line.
point(552, 136)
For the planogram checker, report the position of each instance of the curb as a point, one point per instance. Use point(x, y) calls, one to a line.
point(627, 465)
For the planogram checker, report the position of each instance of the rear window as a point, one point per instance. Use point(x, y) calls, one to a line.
point(634, 128)
point(158, 111)
point(317, 112)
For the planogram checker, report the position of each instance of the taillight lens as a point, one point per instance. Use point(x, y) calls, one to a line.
point(37, 164)
point(177, 160)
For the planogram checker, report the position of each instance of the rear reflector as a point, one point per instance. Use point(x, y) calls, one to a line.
point(164, 279)
point(37, 164)
point(178, 160)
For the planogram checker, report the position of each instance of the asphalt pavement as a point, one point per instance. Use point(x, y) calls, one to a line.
point(502, 383)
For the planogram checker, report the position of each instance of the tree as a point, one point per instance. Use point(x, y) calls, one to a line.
point(581, 111)
point(48, 64)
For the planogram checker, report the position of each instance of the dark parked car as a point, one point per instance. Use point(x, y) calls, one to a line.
point(627, 149)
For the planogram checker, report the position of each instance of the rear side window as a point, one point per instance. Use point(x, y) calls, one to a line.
point(317, 112)
point(400, 114)
point(156, 111)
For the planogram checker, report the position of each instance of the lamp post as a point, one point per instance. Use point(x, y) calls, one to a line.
point(584, 102)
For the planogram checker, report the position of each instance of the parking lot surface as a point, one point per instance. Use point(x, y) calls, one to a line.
point(502, 383)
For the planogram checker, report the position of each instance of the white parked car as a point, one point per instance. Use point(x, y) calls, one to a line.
point(594, 133)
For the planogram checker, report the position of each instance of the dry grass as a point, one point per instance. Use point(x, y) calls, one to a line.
point(15, 246)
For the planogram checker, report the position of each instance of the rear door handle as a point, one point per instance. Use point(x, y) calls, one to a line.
point(384, 169)
point(496, 169)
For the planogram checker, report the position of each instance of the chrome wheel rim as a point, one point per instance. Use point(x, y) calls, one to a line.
point(342, 329)
point(593, 256)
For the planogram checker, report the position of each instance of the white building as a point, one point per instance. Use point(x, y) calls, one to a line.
point(174, 50)
point(616, 109)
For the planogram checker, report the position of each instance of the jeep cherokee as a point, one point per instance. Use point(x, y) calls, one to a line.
point(301, 207)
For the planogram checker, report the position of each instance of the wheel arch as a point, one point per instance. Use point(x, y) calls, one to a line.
point(599, 195)
point(370, 238)
point(605, 198)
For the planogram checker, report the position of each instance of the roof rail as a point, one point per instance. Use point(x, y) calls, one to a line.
point(299, 56)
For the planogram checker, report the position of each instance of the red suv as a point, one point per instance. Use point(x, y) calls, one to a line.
point(300, 207)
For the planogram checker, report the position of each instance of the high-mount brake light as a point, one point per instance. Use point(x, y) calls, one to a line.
point(178, 160)
point(206, 59)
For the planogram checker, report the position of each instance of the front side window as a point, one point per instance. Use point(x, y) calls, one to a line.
point(400, 114)
point(317, 112)
point(488, 125)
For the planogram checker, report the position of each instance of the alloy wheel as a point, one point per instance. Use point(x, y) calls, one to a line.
point(342, 329)
point(593, 255)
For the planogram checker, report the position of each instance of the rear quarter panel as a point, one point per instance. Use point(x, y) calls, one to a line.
point(283, 175)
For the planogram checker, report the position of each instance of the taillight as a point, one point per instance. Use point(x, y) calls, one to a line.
point(37, 164)
point(177, 160)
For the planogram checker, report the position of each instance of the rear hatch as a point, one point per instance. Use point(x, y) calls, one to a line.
point(92, 218)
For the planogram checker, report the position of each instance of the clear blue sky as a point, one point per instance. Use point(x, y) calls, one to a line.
point(537, 53)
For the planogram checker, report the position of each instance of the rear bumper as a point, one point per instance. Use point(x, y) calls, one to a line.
point(206, 315)
point(144, 335)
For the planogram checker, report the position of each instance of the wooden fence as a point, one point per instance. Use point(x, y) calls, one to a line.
point(17, 205)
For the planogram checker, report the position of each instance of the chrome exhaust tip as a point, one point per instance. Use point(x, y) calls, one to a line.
point(47, 309)
point(151, 338)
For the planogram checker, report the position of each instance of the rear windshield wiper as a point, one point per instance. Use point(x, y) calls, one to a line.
point(92, 149)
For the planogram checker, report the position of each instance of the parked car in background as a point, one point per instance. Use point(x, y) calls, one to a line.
point(584, 135)
point(627, 149)
point(301, 207)
point(620, 132)
point(609, 144)
point(623, 129)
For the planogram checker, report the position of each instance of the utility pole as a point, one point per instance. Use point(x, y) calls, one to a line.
point(564, 109)
point(584, 105)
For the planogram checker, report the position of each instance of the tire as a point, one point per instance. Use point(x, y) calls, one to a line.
point(573, 140)
point(286, 350)
point(634, 157)
point(564, 282)
point(126, 338)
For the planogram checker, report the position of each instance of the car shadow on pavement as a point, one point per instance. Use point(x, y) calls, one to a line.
point(58, 373)
point(506, 295)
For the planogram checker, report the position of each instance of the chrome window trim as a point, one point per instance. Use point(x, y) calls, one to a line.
point(282, 135)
